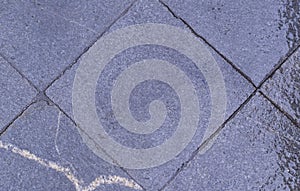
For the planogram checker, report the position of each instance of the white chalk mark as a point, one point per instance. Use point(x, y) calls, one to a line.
point(101, 180)
point(56, 133)
point(55, 141)
point(111, 180)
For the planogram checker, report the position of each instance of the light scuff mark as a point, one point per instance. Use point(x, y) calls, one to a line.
point(101, 180)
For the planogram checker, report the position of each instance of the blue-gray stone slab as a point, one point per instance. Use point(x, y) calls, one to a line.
point(284, 86)
point(15, 93)
point(257, 150)
point(95, 15)
point(254, 35)
point(237, 89)
point(46, 133)
point(42, 44)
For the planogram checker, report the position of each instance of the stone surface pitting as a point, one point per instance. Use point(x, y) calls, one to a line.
point(42, 44)
point(237, 89)
point(50, 136)
point(95, 15)
point(43, 150)
point(254, 35)
point(15, 93)
point(258, 149)
point(284, 86)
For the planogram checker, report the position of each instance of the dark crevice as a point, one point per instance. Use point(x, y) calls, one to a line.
point(280, 63)
point(4, 129)
point(281, 110)
point(41, 96)
point(195, 153)
point(19, 72)
point(210, 45)
point(88, 47)
point(97, 145)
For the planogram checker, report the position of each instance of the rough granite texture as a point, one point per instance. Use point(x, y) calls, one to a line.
point(237, 88)
point(15, 93)
point(45, 132)
point(43, 43)
point(284, 86)
point(257, 150)
point(254, 35)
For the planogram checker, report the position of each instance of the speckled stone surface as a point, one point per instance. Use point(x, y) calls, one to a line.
point(46, 133)
point(254, 35)
point(284, 86)
point(42, 44)
point(15, 93)
point(257, 150)
point(95, 15)
point(237, 88)
point(47, 95)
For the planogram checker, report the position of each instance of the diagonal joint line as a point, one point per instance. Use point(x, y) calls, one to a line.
point(39, 97)
point(88, 47)
point(97, 145)
point(286, 114)
point(201, 146)
point(209, 44)
point(19, 72)
point(16, 117)
point(280, 63)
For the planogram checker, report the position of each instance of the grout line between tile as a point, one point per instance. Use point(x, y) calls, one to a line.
point(42, 95)
point(16, 117)
point(19, 72)
point(47, 99)
point(280, 63)
point(73, 63)
point(257, 89)
point(208, 44)
point(98, 146)
point(183, 165)
point(88, 47)
point(286, 114)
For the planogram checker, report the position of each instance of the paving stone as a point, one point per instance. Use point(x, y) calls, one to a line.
point(15, 93)
point(254, 35)
point(96, 15)
point(284, 86)
point(257, 150)
point(43, 150)
point(237, 88)
point(39, 43)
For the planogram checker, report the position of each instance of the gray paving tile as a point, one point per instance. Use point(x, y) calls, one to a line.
point(15, 93)
point(254, 35)
point(43, 150)
point(96, 15)
point(284, 86)
point(237, 89)
point(39, 43)
point(257, 150)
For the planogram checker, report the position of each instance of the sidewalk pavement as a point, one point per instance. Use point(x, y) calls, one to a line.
point(254, 146)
